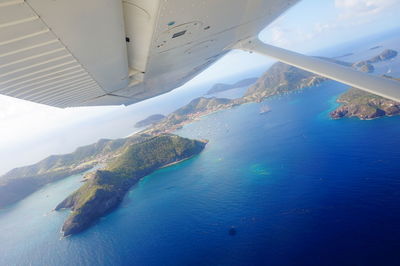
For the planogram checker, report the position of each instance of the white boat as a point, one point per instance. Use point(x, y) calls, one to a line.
point(264, 109)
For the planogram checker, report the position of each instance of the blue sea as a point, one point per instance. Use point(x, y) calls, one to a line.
point(298, 187)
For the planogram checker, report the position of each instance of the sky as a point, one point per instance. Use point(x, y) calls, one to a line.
point(30, 131)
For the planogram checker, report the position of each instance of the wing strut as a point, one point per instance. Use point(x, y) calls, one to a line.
point(377, 85)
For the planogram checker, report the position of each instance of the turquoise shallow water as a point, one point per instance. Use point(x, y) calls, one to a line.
point(299, 188)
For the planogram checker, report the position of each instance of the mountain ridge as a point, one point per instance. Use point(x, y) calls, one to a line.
point(220, 87)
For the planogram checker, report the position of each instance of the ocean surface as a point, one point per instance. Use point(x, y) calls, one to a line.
point(298, 187)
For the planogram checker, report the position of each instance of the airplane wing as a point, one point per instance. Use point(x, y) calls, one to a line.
point(67, 53)
point(384, 87)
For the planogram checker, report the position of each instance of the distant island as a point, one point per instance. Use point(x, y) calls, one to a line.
point(105, 190)
point(150, 120)
point(220, 87)
point(282, 78)
point(366, 65)
point(375, 47)
point(364, 105)
point(385, 55)
point(343, 55)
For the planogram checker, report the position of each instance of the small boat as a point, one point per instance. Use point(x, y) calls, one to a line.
point(264, 109)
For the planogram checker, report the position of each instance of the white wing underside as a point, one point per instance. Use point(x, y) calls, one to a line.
point(68, 53)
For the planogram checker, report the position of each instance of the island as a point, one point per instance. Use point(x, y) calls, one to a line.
point(366, 65)
point(220, 87)
point(21, 182)
point(343, 55)
point(364, 105)
point(280, 79)
point(387, 54)
point(375, 47)
point(105, 190)
point(192, 111)
point(150, 120)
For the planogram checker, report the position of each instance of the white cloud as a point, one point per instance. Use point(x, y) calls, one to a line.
point(279, 36)
point(353, 13)
point(356, 9)
point(321, 27)
point(332, 21)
